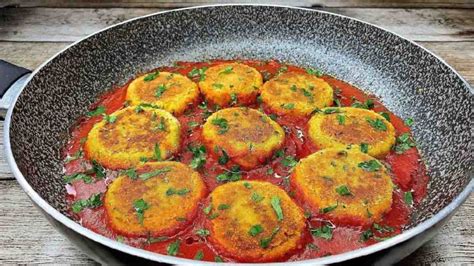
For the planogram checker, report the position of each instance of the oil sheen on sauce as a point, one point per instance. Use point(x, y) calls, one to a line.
point(408, 172)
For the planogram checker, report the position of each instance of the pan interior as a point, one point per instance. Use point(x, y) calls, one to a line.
point(410, 81)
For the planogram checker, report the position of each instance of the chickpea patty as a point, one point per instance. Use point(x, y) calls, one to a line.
point(230, 84)
point(133, 135)
point(254, 221)
point(340, 127)
point(246, 135)
point(169, 91)
point(157, 199)
point(296, 94)
point(348, 186)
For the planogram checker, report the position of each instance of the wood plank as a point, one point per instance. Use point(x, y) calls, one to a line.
point(185, 3)
point(67, 24)
point(28, 238)
point(460, 55)
point(5, 172)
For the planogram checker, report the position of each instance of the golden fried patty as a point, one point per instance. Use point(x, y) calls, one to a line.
point(254, 221)
point(340, 127)
point(348, 186)
point(131, 135)
point(231, 84)
point(157, 199)
point(296, 94)
point(169, 91)
point(248, 136)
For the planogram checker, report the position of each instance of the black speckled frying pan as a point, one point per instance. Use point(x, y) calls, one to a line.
point(409, 80)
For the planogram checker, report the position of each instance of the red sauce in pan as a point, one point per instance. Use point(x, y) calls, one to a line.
point(408, 173)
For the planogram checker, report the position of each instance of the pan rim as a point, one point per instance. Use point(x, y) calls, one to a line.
point(83, 231)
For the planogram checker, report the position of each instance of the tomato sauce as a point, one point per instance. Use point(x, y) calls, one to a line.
point(407, 171)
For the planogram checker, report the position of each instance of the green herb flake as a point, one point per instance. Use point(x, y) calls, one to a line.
point(409, 121)
point(224, 158)
point(193, 124)
point(341, 119)
point(217, 86)
point(157, 152)
point(97, 111)
point(289, 161)
point(232, 175)
point(233, 99)
point(199, 255)
point(173, 248)
point(198, 72)
point(199, 156)
point(377, 124)
point(93, 201)
point(78, 176)
point(265, 242)
point(323, 232)
point(368, 104)
point(312, 246)
point(366, 235)
point(160, 90)
point(370, 166)
point(207, 209)
point(140, 207)
point(256, 197)
point(218, 259)
point(110, 118)
point(408, 197)
point(132, 173)
point(314, 72)
point(343, 190)
point(293, 87)
point(151, 76)
point(270, 171)
point(329, 208)
point(331, 110)
point(179, 192)
point(227, 70)
point(154, 173)
point(247, 185)
point(255, 230)
point(337, 102)
point(222, 124)
point(403, 143)
point(288, 106)
point(385, 115)
point(222, 207)
point(275, 202)
point(98, 170)
point(364, 147)
point(151, 240)
point(202, 232)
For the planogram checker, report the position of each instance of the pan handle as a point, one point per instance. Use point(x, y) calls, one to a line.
point(12, 80)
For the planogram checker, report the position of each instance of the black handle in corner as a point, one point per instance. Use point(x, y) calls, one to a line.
point(9, 73)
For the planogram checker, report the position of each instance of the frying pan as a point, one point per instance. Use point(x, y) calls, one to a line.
point(410, 81)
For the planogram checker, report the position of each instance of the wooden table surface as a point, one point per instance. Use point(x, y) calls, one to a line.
point(34, 30)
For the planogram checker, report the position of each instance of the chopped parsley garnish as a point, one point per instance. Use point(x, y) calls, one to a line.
point(140, 207)
point(151, 240)
point(222, 207)
point(329, 208)
point(364, 147)
point(409, 121)
point(217, 86)
point(265, 242)
point(247, 185)
point(199, 156)
point(156, 152)
point(368, 104)
point(224, 158)
point(255, 230)
point(78, 154)
point(207, 209)
point(385, 115)
point(78, 176)
point(193, 124)
point(132, 173)
point(337, 102)
point(288, 106)
point(289, 161)
point(162, 125)
point(98, 170)
point(180, 192)
point(97, 111)
point(151, 76)
point(403, 143)
point(343, 190)
point(233, 99)
point(331, 110)
point(341, 119)
point(312, 246)
point(227, 70)
point(293, 87)
point(273, 117)
point(153, 173)
point(383, 228)
point(110, 118)
point(324, 232)
point(308, 94)
point(199, 255)
point(198, 72)
point(218, 259)
point(270, 171)
point(282, 69)
point(377, 124)
point(173, 248)
point(231, 175)
point(408, 197)
point(314, 72)
point(160, 90)
point(275, 202)
point(366, 235)
point(93, 201)
point(279, 153)
point(256, 197)
point(222, 124)
point(202, 232)
point(370, 166)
